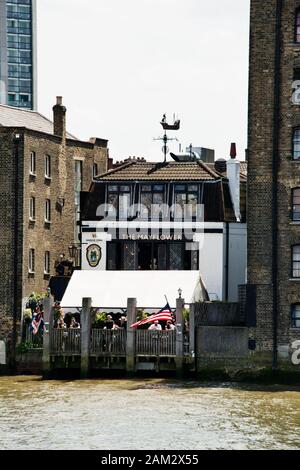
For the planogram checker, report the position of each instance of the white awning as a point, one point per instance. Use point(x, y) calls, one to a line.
point(111, 289)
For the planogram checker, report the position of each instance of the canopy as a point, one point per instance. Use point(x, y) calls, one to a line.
point(111, 289)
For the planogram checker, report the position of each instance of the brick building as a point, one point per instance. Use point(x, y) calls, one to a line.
point(43, 170)
point(274, 178)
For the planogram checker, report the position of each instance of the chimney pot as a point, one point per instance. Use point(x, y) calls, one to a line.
point(59, 100)
point(233, 150)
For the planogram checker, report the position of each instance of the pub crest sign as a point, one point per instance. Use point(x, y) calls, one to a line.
point(94, 255)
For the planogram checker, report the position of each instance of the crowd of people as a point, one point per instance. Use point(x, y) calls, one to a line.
point(111, 322)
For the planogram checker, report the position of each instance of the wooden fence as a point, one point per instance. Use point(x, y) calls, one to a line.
point(35, 341)
point(65, 342)
point(113, 342)
point(108, 342)
point(155, 343)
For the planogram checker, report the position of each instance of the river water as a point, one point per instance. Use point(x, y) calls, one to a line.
point(146, 414)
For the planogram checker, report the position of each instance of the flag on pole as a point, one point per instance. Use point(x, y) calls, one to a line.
point(37, 322)
point(164, 314)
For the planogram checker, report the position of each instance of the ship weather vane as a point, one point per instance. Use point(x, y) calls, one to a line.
point(168, 127)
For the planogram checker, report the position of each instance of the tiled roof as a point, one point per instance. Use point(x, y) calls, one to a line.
point(16, 117)
point(244, 170)
point(169, 171)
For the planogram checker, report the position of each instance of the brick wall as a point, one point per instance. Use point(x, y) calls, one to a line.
point(40, 236)
point(260, 174)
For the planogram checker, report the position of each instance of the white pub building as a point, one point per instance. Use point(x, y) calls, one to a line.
point(169, 216)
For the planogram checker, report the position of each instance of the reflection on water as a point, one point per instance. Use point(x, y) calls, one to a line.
point(146, 414)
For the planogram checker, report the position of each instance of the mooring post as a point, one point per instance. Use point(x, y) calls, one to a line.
point(48, 320)
point(85, 319)
point(179, 336)
point(192, 333)
point(130, 340)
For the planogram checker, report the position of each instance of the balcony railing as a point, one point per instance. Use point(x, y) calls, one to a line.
point(65, 342)
point(155, 343)
point(108, 342)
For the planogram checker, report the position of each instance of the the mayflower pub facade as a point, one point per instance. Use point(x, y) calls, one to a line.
point(175, 215)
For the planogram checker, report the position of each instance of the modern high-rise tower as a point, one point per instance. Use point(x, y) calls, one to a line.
point(18, 53)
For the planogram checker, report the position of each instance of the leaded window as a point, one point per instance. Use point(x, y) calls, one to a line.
point(296, 261)
point(296, 144)
point(296, 205)
point(296, 316)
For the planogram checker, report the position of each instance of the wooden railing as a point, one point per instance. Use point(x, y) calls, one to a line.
point(35, 340)
point(155, 343)
point(108, 342)
point(65, 342)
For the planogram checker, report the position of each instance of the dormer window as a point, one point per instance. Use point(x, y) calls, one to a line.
point(118, 200)
point(152, 200)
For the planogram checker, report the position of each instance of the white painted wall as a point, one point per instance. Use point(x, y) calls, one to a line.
point(212, 264)
point(237, 258)
point(91, 238)
point(212, 257)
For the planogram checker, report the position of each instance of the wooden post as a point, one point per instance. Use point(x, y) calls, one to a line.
point(130, 340)
point(179, 336)
point(85, 320)
point(48, 319)
point(192, 335)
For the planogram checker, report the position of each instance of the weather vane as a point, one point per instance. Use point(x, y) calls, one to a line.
point(168, 127)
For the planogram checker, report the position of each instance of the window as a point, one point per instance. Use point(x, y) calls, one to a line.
point(296, 204)
point(48, 211)
point(296, 316)
point(186, 200)
point(296, 261)
point(47, 166)
point(296, 144)
point(31, 261)
point(32, 168)
point(47, 263)
point(152, 195)
point(78, 181)
point(12, 98)
point(95, 170)
point(32, 208)
point(297, 29)
point(118, 200)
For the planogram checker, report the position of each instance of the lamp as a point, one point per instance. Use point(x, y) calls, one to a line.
point(180, 292)
point(61, 201)
point(73, 251)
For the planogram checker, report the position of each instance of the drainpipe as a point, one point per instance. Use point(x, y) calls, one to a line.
point(275, 160)
point(227, 264)
point(16, 251)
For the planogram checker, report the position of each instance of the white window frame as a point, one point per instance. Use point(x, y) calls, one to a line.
point(48, 211)
point(95, 167)
point(32, 208)
point(31, 261)
point(48, 167)
point(32, 164)
point(47, 263)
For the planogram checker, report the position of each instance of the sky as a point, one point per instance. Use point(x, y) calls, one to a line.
point(121, 64)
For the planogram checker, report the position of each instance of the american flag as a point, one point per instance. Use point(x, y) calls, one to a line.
point(37, 322)
point(164, 314)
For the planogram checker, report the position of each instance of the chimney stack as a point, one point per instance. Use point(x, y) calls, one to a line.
point(233, 175)
point(59, 118)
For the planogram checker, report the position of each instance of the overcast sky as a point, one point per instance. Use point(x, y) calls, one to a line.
point(121, 64)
